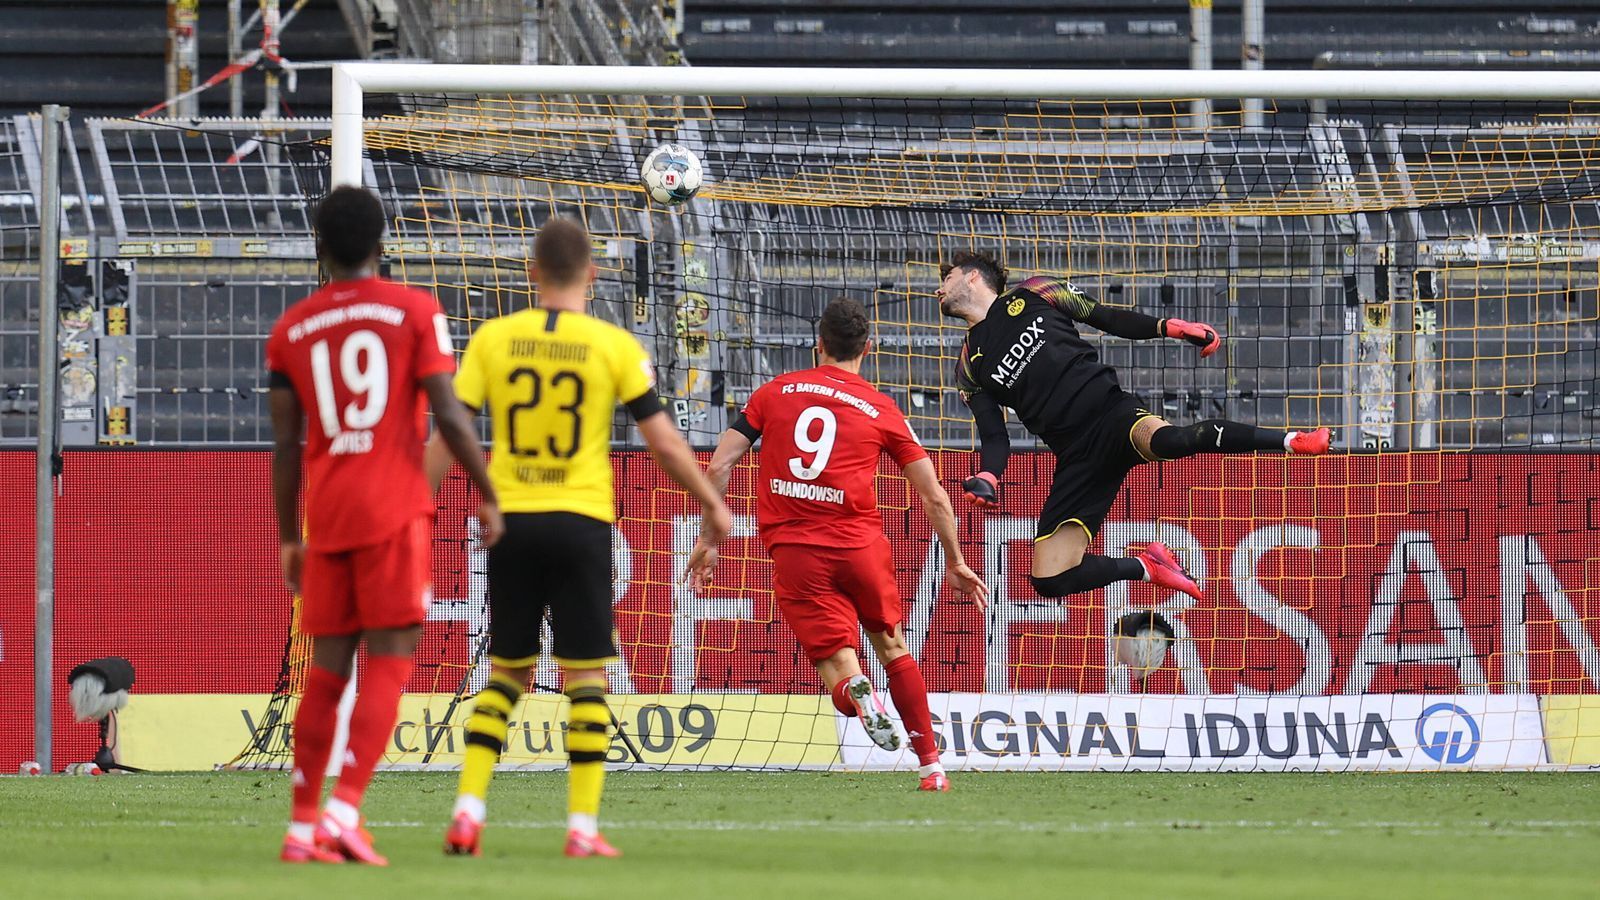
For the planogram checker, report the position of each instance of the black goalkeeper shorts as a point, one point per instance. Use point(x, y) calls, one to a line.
point(1091, 463)
point(558, 561)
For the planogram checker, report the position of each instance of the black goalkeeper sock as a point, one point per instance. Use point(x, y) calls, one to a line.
point(1093, 572)
point(1212, 436)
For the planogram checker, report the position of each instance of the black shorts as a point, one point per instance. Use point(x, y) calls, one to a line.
point(1090, 466)
point(558, 561)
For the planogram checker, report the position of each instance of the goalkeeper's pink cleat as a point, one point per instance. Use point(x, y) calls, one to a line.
point(298, 851)
point(1164, 570)
point(935, 782)
point(354, 844)
point(462, 839)
point(580, 845)
point(1311, 443)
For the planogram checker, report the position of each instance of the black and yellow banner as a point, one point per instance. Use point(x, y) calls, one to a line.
point(177, 732)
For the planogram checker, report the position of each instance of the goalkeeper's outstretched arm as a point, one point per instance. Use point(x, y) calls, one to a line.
point(1136, 326)
point(1122, 323)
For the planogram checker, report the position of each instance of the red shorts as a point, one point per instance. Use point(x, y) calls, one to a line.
point(823, 592)
point(383, 585)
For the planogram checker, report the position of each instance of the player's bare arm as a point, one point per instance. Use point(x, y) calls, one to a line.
point(730, 449)
point(454, 428)
point(672, 454)
point(936, 505)
point(288, 420)
point(436, 458)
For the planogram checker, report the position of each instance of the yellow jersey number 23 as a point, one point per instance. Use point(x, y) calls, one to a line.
point(560, 442)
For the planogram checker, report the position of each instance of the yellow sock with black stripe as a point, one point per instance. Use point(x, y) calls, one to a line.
point(486, 736)
point(588, 740)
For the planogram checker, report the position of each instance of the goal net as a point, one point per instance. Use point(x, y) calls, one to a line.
point(1418, 275)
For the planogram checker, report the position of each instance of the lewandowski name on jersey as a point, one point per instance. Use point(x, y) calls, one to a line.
point(806, 491)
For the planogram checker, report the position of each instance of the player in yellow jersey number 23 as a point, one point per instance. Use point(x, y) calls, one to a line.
point(549, 379)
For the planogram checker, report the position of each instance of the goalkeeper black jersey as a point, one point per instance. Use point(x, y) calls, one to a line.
point(1027, 355)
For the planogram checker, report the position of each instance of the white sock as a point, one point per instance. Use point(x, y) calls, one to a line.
point(929, 769)
point(304, 832)
point(343, 814)
point(583, 823)
point(472, 806)
point(1287, 438)
point(1146, 568)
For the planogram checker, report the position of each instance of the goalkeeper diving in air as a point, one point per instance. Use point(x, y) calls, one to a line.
point(1023, 352)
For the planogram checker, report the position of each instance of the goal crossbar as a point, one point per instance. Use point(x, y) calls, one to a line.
point(351, 81)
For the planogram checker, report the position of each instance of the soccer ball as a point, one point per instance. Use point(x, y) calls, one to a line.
point(1142, 639)
point(671, 174)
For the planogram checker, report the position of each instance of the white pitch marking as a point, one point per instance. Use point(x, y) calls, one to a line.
point(1500, 827)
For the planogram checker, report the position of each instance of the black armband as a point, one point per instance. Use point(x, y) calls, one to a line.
point(276, 379)
point(1124, 323)
point(743, 426)
point(994, 445)
point(644, 406)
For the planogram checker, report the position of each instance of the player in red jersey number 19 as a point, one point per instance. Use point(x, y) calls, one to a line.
point(358, 356)
point(822, 432)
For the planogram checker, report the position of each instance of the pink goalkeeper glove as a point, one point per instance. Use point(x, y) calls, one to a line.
point(1203, 336)
point(982, 490)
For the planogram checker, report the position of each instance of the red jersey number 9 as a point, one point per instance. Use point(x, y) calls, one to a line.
point(364, 369)
point(821, 446)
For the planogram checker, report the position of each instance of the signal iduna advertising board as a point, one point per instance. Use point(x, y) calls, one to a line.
point(1049, 732)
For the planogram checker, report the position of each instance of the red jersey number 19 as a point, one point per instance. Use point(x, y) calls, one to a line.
point(364, 370)
point(822, 445)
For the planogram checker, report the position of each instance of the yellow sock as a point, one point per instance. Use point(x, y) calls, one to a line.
point(486, 734)
point(587, 742)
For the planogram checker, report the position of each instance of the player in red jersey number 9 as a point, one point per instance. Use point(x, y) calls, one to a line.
point(822, 432)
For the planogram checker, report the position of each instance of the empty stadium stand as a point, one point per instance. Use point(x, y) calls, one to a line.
point(1110, 33)
point(105, 57)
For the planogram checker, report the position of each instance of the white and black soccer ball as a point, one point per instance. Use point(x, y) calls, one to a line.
point(671, 174)
point(1142, 641)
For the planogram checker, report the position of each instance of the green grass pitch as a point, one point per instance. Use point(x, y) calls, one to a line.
point(820, 836)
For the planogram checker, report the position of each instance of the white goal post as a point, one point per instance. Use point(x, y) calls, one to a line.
point(352, 81)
